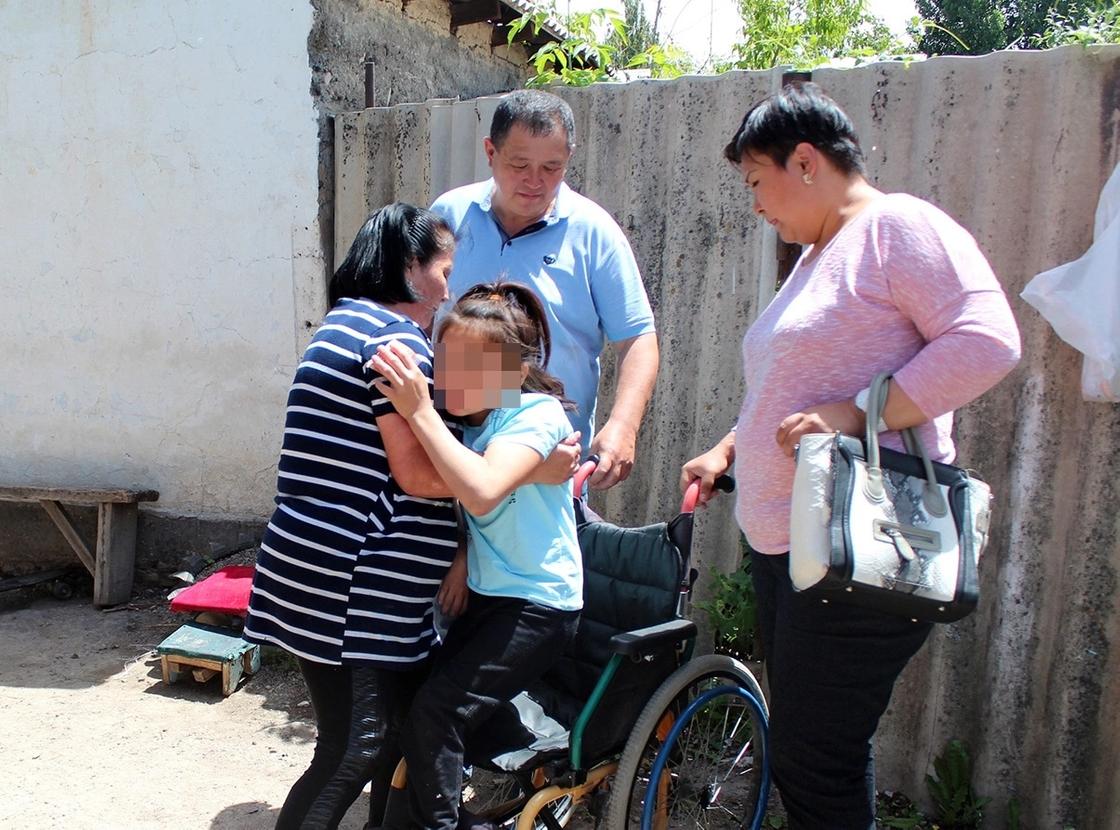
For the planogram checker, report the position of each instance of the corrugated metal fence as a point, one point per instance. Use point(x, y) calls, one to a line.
point(1017, 147)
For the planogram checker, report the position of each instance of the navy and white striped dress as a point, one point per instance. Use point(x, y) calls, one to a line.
point(350, 564)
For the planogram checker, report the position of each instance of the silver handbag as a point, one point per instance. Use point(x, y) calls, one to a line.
point(886, 529)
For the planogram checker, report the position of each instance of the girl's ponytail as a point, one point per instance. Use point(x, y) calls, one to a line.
point(539, 379)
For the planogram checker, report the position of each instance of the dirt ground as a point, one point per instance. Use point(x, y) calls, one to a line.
point(90, 737)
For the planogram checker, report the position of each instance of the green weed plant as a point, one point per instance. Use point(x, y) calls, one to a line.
point(733, 613)
point(958, 805)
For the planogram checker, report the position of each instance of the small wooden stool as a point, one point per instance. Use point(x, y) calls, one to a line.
point(206, 651)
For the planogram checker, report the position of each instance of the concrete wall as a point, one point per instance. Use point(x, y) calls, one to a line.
point(1016, 146)
point(417, 56)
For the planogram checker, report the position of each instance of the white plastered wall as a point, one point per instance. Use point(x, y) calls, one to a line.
point(160, 252)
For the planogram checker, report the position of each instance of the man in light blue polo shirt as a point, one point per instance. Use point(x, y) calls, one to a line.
point(526, 225)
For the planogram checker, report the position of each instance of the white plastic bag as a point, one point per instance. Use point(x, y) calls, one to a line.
point(1081, 300)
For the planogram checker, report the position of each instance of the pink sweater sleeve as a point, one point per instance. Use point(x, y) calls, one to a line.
point(938, 277)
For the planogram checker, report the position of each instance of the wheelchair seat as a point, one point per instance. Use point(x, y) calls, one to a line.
point(632, 580)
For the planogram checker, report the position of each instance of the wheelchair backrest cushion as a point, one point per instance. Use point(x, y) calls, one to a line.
point(631, 580)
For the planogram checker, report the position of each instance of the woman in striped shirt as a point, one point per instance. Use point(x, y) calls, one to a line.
point(364, 532)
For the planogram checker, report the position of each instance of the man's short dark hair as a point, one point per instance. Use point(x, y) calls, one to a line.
point(800, 112)
point(540, 113)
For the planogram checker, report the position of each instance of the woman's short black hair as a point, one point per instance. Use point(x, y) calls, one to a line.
point(800, 112)
point(393, 238)
point(539, 112)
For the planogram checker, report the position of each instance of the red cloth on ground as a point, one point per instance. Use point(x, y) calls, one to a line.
point(224, 592)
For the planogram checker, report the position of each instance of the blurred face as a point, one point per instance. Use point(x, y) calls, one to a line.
point(780, 195)
point(528, 170)
point(474, 374)
point(429, 285)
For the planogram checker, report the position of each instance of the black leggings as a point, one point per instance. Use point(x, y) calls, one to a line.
point(831, 669)
point(493, 651)
point(358, 712)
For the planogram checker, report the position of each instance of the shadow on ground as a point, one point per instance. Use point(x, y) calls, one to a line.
point(251, 815)
point(255, 815)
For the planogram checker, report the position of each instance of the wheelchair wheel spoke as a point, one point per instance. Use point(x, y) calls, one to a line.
point(710, 780)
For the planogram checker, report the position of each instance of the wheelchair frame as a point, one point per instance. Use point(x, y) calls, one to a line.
point(649, 739)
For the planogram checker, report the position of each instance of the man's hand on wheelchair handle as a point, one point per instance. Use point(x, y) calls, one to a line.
point(615, 445)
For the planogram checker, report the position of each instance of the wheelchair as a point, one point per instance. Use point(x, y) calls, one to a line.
point(627, 719)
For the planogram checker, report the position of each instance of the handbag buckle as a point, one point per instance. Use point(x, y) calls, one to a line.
point(906, 538)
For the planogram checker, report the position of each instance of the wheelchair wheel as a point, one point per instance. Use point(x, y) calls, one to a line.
point(500, 797)
point(715, 766)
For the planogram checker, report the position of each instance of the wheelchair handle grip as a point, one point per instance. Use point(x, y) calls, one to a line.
point(723, 483)
point(582, 474)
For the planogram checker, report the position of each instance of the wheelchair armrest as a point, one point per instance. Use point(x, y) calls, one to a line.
point(646, 641)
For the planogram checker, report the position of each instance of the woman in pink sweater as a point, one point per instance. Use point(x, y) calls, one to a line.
point(887, 282)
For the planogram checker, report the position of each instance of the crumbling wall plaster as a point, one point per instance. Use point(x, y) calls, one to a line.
point(416, 55)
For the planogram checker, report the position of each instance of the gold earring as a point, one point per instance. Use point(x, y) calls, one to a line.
point(805, 177)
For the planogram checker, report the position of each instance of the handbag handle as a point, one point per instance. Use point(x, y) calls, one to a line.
point(933, 498)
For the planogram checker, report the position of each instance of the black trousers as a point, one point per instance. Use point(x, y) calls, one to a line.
point(358, 713)
point(831, 669)
point(492, 652)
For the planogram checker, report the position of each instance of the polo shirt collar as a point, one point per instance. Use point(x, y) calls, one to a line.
point(561, 209)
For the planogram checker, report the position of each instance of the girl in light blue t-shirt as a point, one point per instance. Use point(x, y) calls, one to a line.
point(524, 569)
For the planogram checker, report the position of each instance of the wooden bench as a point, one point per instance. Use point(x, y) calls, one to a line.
point(113, 562)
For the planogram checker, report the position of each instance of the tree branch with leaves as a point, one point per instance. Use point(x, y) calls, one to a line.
point(597, 47)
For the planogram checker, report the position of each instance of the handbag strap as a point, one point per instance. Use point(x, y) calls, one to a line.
point(932, 498)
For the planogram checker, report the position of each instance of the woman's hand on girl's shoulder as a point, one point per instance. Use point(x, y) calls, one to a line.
point(401, 381)
point(839, 416)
